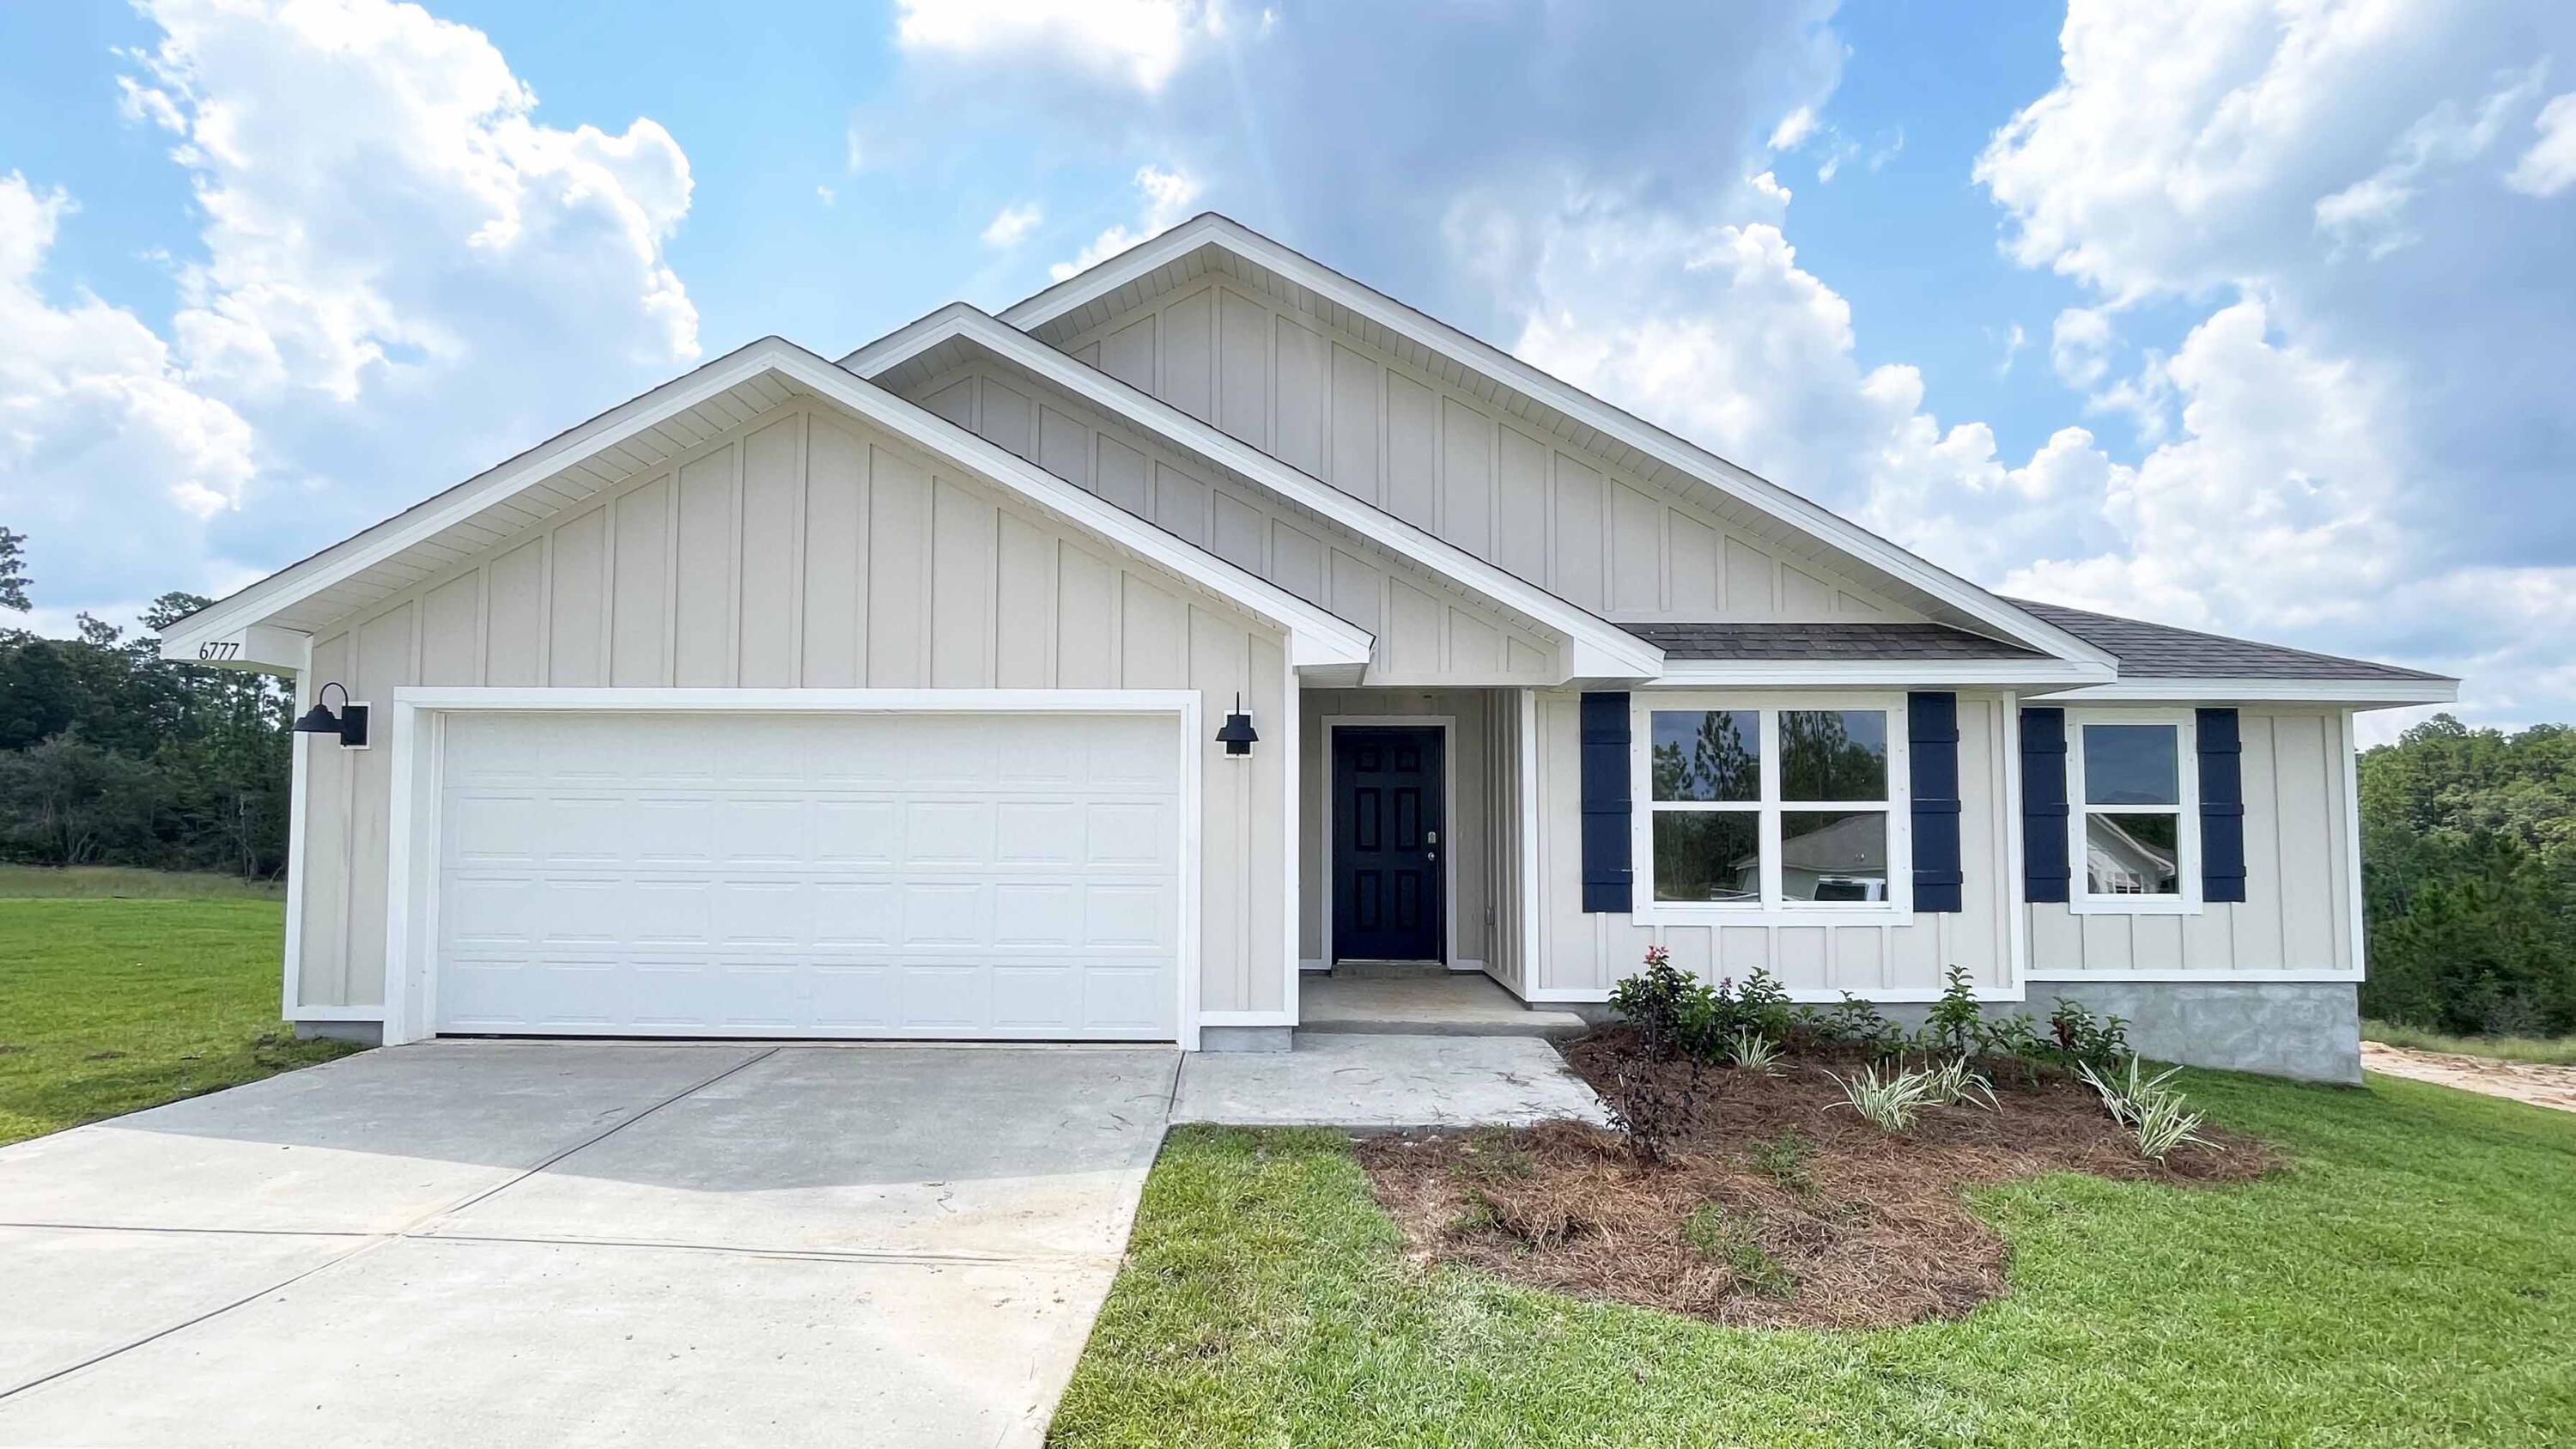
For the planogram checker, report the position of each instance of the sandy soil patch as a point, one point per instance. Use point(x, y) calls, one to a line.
point(2541, 1086)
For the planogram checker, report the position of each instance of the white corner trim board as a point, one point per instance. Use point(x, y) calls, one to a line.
point(1605, 649)
point(416, 744)
point(1208, 229)
point(1317, 636)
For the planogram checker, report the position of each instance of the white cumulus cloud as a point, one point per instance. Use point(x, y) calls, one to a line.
point(1012, 225)
point(1168, 196)
point(1137, 43)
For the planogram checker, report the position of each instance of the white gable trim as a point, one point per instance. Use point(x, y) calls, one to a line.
point(1317, 637)
point(1673, 452)
point(1596, 648)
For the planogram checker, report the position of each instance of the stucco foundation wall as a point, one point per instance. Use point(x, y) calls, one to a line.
point(804, 549)
point(2305, 1029)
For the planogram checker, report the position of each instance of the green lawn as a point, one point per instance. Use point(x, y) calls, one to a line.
point(97, 882)
point(2410, 1278)
point(110, 1005)
point(2547, 1051)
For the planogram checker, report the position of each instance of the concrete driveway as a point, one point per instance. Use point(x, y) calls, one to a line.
point(520, 1243)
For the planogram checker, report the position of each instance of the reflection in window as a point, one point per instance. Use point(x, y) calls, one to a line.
point(2132, 854)
point(1708, 754)
point(1718, 789)
point(2132, 764)
point(1708, 855)
point(1833, 855)
point(1833, 754)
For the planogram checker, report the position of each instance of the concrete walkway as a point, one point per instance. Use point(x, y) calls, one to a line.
point(1376, 1082)
point(556, 1244)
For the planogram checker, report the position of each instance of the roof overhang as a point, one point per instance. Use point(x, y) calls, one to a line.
point(2187, 689)
point(1108, 279)
point(1907, 673)
point(239, 629)
point(1595, 648)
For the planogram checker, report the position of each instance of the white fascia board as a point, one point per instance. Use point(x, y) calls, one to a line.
point(227, 617)
point(1316, 635)
point(2353, 693)
point(1673, 452)
point(2024, 672)
point(1602, 648)
point(252, 646)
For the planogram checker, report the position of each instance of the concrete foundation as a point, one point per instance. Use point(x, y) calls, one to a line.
point(2310, 1030)
point(1246, 1038)
point(364, 1033)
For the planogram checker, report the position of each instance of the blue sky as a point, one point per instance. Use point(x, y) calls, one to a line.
point(2247, 314)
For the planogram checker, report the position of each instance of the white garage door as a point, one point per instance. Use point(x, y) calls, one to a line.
point(956, 875)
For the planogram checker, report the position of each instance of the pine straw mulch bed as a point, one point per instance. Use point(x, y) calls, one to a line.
point(1778, 1207)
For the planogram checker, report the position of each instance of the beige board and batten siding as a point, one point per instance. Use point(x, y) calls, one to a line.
point(2296, 918)
point(1578, 955)
point(804, 549)
point(1428, 632)
point(1325, 402)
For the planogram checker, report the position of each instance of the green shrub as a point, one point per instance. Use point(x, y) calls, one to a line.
point(1887, 1098)
point(1955, 1024)
point(2083, 1037)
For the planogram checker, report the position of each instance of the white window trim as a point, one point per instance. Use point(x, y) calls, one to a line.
point(1644, 909)
point(2079, 897)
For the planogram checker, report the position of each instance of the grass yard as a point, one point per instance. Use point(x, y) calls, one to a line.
point(2409, 1278)
point(2542, 1051)
point(109, 1004)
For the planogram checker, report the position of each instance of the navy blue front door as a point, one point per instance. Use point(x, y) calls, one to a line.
point(1387, 830)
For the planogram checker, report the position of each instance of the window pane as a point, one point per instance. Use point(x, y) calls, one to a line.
point(2132, 855)
point(1708, 855)
point(1833, 855)
point(2131, 764)
point(1833, 754)
point(1708, 754)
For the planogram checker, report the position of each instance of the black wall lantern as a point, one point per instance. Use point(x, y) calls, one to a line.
point(1236, 734)
point(350, 724)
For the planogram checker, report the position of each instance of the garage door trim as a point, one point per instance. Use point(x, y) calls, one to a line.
point(415, 748)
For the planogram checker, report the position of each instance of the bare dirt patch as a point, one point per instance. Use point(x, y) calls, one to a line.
point(2533, 1082)
point(1778, 1206)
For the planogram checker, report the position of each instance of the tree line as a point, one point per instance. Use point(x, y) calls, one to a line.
point(2468, 851)
point(110, 755)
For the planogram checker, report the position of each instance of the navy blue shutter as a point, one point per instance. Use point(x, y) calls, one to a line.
point(2222, 807)
point(1609, 875)
point(1932, 735)
point(2043, 805)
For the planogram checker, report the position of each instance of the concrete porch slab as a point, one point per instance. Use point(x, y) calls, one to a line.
point(1380, 1083)
point(1448, 1003)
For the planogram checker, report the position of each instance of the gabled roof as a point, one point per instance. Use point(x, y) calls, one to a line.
point(2161, 661)
point(1601, 649)
point(1210, 242)
point(271, 615)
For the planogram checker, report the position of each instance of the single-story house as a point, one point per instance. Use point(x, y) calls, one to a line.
point(1097, 669)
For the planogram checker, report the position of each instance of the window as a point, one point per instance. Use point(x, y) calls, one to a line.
point(1749, 805)
point(2133, 778)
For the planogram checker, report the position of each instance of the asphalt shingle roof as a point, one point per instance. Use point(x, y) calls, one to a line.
point(2160, 651)
point(1855, 640)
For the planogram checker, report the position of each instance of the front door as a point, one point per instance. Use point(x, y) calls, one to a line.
point(1387, 810)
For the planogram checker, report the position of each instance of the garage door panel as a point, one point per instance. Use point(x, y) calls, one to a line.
point(923, 875)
